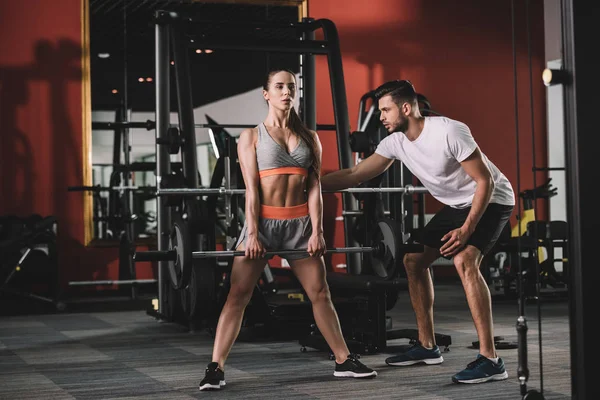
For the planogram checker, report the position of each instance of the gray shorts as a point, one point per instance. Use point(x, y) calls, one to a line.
point(282, 234)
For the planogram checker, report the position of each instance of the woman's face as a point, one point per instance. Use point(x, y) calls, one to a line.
point(282, 90)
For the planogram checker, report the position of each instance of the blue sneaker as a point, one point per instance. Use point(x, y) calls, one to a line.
point(482, 370)
point(416, 354)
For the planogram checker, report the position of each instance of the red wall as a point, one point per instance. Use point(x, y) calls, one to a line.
point(460, 56)
point(41, 127)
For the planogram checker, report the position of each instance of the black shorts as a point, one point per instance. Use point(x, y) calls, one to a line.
point(486, 233)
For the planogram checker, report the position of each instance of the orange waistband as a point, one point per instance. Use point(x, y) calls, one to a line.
point(272, 212)
point(283, 171)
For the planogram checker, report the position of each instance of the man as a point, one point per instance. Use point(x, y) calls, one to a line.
point(478, 201)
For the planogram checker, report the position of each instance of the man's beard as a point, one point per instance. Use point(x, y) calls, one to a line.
point(401, 126)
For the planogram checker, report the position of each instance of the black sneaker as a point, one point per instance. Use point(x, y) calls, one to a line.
point(352, 368)
point(482, 370)
point(214, 378)
point(416, 354)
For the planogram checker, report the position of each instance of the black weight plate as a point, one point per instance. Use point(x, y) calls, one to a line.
point(384, 265)
point(199, 297)
point(180, 269)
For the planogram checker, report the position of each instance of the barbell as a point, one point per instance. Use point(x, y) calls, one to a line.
point(383, 253)
point(408, 189)
point(171, 255)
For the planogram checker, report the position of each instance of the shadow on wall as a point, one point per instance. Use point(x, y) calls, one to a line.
point(40, 145)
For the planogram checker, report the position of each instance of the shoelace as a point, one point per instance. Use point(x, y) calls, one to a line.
point(354, 358)
point(476, 363)
point(213, 370)
point(413, 346)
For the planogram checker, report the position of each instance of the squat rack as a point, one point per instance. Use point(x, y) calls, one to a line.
point(175, 32)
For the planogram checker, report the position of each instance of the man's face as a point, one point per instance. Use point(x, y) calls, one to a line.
point(392, 116)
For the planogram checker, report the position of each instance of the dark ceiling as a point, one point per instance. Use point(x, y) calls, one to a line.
point(124, 30)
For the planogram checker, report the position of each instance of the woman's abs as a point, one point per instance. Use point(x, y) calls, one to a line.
point(283, 190)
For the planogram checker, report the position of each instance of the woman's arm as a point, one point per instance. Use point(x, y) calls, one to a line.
point(246, 149)
point(316, 245)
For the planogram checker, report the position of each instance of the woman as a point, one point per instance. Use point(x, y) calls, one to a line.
point(280, 161)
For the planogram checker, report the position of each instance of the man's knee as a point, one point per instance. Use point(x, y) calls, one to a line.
point(420, 261)
point(468, 260)
point(410, 259)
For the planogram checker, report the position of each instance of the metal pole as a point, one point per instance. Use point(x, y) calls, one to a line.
point(128, 196)
point(223, 191)
point(239, 253)
point(117, 132)
point(186, 109)
point(171, 255)
point(112, 282)
point(580, 91)
point(340, 108)
point(228, 210)
point(150, 125)
point(274, 46)
point(309, 86)
point(163, 166)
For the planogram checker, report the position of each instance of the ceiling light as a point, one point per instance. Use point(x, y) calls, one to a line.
point(114, 91)
point(140, 79)
point(198, 51)
point(172, 62)
point(149, 79)
point(208, 51)
point(103, 55)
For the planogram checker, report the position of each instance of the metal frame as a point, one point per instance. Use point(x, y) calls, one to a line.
point(150, 125)
point(163, 165)
point(579, 19)
point(165, 32)
point(308, 80)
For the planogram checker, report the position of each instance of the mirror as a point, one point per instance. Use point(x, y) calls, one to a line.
point(226, 89)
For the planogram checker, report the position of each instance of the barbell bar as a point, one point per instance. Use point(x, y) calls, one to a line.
point(99, 188)
point(171, 255)
point(112, 282)
point(150, 125)
point(408, 189)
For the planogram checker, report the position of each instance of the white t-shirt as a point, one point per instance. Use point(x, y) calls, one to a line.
point(435, 157)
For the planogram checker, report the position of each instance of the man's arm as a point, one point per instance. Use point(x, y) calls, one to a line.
point(477, 169)
point(367, 169)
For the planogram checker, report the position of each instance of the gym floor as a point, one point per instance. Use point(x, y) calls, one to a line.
point(130, 354)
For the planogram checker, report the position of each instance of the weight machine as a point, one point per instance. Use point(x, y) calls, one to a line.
point(190, 270)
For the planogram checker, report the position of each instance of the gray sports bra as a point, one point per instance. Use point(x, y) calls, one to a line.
point(273, 159)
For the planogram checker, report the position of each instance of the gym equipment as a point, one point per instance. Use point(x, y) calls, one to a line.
point(28, 256)
point(521, 325)
point(529, 236)
point(180, 242)
point(150, 125)
point(112, 282)
point(543, 191)
point(180, 256)
point(408, 189)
